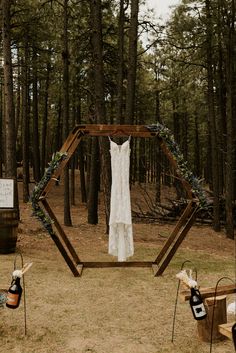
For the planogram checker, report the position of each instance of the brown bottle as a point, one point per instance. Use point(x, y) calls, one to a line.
point(14, 294)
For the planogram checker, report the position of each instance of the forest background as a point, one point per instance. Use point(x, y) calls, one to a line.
point(74, 62)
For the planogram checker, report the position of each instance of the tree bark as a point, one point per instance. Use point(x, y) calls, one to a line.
point(25, 138)
point(35, 139)
point(65, 58)
point(1, 132)
point(18, 98)
point(197, 161)
point(229, 170)
point(93, 183)
point(132, 62)
point(212, 117)
point(10, 143)
point(10, 147)
point(81, 151)
point(120, 71)
point(97, 48)
point(45, 117)
point(221, 97)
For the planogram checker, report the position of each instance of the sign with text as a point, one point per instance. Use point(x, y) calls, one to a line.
point(6, 193)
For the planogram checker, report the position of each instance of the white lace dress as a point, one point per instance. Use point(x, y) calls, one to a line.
point(120, 223)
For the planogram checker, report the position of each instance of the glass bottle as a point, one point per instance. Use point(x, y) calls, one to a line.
point(14, 293)
point(197, 306)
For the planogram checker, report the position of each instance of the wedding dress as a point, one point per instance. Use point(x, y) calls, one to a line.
point(120, 223)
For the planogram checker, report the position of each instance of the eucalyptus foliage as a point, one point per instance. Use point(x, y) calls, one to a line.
point(183, 170)
point(38, 212)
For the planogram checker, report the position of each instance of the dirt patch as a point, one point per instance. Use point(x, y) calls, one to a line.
point(107, 310)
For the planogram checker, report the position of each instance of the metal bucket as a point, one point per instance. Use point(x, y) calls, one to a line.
point(8, 230)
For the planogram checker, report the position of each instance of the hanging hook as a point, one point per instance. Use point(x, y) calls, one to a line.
point(23, 280)
point(177, 294)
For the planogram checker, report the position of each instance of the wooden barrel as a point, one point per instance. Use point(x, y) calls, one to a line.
point(8, 230)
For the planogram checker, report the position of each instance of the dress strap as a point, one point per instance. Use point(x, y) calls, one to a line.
point(111, 139)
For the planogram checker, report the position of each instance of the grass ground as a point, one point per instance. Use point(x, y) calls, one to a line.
point(108, 310)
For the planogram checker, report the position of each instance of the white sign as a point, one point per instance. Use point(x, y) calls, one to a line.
point(6, 193)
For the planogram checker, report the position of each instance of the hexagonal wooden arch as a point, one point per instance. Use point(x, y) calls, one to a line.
point(61, 240)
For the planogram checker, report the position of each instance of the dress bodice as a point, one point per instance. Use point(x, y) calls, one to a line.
point(124, 147)
point(120, 163)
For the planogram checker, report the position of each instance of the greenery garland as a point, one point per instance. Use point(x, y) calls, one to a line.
point(38, 212)
point(183, 170)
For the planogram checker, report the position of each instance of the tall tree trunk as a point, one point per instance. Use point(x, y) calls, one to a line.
point(157, 150)
point(25, 138)
point(59, 132)
point(158, 160)
point(97, 47)
point(45, 117)
point(1, 123)
point(184, 135)
point(221, 97)
point(176, 121)
point(132, 74)
point(35, 139)
point(212, 118)
point(132, 62)
point(157, 90)
point(10, 143)
point(157, 105)
point(93, 183)
point(120, 71)
point(177, 136)
point(18, 98)
point(82, 172)
point(73, 163)
point(81, 147)
point(197, 161)
point(229, 170)
point(65, 57)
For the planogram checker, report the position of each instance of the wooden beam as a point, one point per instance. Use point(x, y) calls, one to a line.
point(210, 292)
point(66, 249)
point(177, 243)
point(69, 148)
point(175, 232)
point(115, 130)
point(65, 255)
point(60, 230)
point(104, 264)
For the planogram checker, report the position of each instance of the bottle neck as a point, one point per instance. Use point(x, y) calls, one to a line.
point(16, 280)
